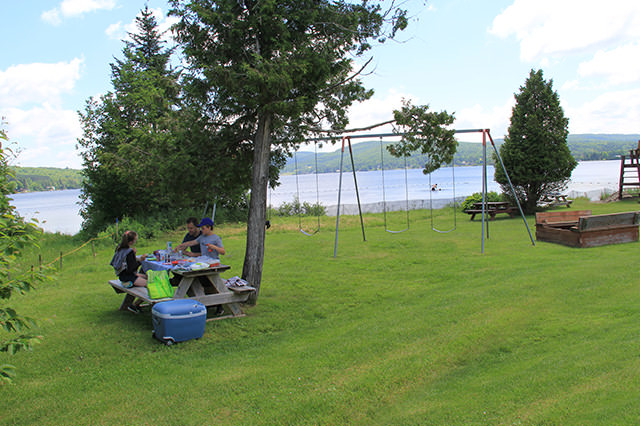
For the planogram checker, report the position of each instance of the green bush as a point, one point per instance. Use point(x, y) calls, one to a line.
point(296, 208)
point(477, 198)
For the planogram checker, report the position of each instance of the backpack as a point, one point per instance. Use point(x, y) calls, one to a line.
point(119, 261)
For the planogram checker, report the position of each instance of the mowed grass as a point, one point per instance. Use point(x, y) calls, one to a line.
point(415, 328)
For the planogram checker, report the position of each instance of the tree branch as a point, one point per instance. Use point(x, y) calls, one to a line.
point(359, 129)
point(351, 77)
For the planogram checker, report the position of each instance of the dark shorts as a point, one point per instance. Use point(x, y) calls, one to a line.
point(127, 277)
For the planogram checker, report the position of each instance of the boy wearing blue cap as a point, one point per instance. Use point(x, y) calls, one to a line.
point(210, 243)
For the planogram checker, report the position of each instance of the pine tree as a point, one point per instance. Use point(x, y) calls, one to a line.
point(130, 147)
point(535, 151)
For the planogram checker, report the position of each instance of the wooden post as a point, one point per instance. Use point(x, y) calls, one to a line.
point(40, 261)
point(60, 260)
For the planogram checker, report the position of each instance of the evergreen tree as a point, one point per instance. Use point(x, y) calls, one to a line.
point(535, 151)
point(130, 143)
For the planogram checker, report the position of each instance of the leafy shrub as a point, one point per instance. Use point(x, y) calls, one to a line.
point(476, 197)
point(295, 208)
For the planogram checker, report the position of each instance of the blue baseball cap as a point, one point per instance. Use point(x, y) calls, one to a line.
point(205, 221)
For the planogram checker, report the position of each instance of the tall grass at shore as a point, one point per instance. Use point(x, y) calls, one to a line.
point(415, 328)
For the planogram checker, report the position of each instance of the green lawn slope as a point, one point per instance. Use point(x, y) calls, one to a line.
point(416, 328)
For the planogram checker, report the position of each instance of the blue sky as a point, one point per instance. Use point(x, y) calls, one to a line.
point(464, 56)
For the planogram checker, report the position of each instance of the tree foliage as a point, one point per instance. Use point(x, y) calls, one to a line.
point(130, 133)
point(145, 149)
point(15, 235)
point(535, 151)
point(425, 132)
point(275, 70)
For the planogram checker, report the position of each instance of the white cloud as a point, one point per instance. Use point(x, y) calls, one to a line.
point(612, 112)
point(38, 83)
point(553, 28)
point(52, 17)
point(618, 66)
point(496, 119)
point(31, 102)
point(72, 8)
point(114, 31)
point(45, 136)
point(75, 8)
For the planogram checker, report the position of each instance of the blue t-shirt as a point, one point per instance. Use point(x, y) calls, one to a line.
point(210, 239)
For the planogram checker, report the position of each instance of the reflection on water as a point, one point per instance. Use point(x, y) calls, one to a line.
point(58, 211)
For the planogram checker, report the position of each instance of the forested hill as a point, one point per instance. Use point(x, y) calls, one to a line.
point(584, 147)
point(29, 179)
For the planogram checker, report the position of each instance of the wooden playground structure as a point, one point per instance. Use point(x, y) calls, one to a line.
point(629, 171)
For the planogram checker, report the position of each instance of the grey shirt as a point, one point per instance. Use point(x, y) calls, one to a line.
point(211, 239)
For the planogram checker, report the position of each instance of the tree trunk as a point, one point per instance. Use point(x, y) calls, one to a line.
point(254, 252)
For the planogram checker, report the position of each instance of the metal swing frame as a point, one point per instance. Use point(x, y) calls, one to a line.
point(485, 224)
point(384, 198)
point(295, 160)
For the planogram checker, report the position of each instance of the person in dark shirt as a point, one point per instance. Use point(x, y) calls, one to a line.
point(193, 232)
point(126, 264)
point(210, 243)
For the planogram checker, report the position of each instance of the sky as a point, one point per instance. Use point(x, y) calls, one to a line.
point(466, 57)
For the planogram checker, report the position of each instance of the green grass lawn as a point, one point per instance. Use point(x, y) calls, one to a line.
point(416, 328)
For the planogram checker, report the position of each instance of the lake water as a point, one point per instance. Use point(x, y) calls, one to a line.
point(58, 211)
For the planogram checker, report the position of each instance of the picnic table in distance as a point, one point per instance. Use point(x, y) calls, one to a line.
point(492, 208)
point(554, 200)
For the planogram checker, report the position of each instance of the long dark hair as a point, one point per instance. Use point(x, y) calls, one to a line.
point(127, 238)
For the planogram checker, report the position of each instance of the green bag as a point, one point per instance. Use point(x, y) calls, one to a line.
point(158, 284)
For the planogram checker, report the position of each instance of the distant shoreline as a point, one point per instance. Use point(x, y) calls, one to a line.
point(50, 190)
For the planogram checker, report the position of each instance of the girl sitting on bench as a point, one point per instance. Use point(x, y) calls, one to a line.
point(126, 264)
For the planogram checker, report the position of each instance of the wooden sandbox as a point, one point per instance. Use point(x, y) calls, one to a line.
point(579, 228)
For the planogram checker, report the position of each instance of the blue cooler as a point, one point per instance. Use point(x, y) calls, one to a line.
point(178, 320)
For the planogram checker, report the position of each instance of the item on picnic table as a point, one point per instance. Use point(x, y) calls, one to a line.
point(236, 282)
point(199, 265)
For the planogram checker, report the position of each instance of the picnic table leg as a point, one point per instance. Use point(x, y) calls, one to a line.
point(220, 286)
point(181, 291)
point(128, 300)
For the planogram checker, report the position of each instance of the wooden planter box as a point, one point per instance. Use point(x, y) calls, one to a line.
point(581, 229)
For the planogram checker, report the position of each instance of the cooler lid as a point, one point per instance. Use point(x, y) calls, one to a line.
point(179, 308)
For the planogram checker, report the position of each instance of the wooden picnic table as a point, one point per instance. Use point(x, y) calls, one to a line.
point(204, 285)
point(492, 208)
point(555, 200)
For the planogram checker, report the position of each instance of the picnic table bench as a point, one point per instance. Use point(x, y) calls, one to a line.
point(492, 209)
point(204, 285)
point(579, 228)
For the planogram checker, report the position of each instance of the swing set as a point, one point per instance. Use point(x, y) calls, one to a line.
point(346, 141)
